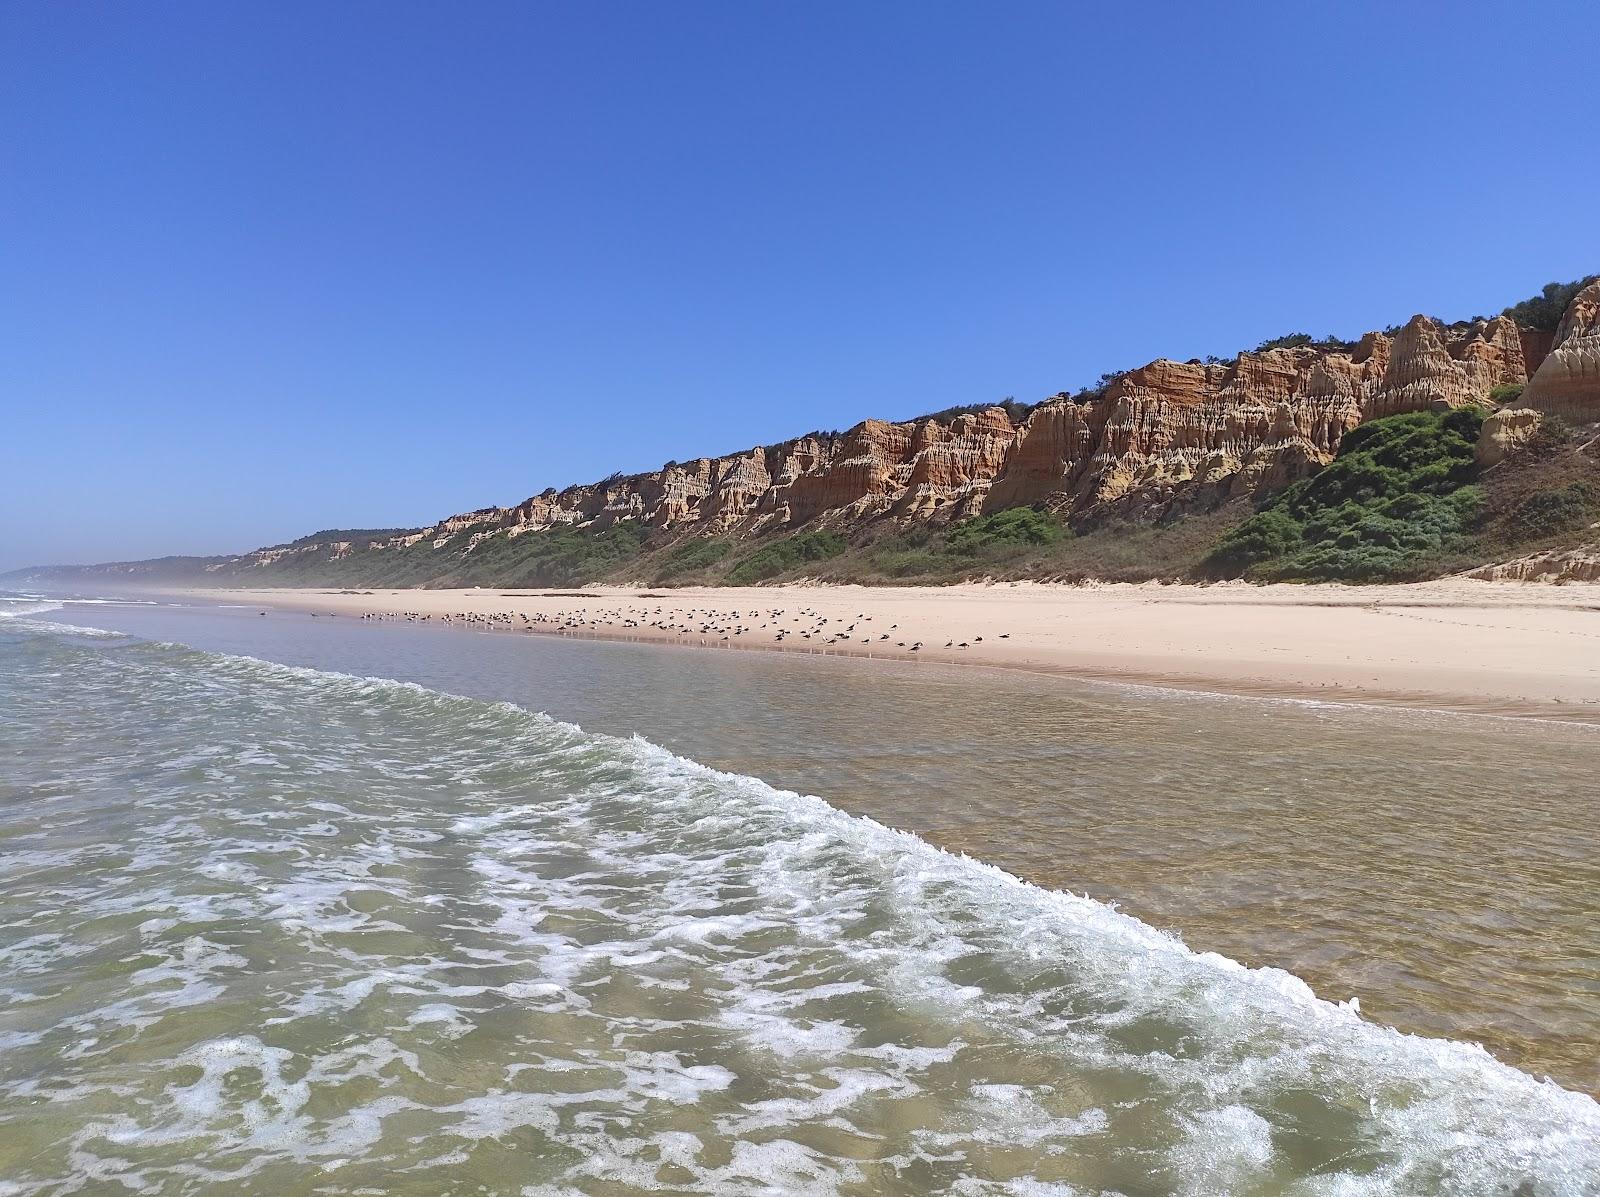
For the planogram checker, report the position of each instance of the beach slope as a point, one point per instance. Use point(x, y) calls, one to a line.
point(1501, 648)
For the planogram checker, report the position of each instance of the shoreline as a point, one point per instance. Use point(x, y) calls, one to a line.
point(1507, 649)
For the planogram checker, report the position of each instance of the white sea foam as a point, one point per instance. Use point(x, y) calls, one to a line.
point(23, 622)
point(675, 947)
point(113, 602)
point(22, 606)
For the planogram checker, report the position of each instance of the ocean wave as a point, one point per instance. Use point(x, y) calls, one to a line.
point(24, 622)
point(20, 606)
point(774, 919)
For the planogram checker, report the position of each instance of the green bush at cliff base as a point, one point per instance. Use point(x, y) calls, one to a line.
point(1548, 513)
point(691, 557)
point(1397, 495)
point(549, 557)
point(783, 555)
point(987, 539)
point(1017, 526)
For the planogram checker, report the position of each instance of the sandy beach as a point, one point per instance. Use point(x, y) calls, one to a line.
point(1498, 648)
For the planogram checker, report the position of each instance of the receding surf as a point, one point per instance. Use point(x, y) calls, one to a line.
point(304, 931)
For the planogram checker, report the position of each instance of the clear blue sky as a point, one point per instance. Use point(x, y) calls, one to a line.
point(268, 268)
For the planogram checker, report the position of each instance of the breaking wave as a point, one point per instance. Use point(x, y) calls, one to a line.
point(376, 929)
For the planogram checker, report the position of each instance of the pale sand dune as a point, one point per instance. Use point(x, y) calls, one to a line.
point(1508, 648)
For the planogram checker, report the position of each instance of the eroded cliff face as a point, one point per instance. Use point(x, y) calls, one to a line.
point(1580, 564)
point(1158, 440)
point(1567, 381)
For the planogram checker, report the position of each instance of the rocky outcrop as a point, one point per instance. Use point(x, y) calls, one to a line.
point(1581, 564)
point(1050, 452)
point(1505, 432)
point(1536, 346)
point(1432, 366)
point(952, 469)
point(1567, 382)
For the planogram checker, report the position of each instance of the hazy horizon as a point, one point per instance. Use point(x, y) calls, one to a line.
point(278, 270)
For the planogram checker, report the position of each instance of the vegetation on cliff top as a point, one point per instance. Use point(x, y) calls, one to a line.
point(1544, 310)
point(1018, 412)
point(1302, 340)
point(357, 537)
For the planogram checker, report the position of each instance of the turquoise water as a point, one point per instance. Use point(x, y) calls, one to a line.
point(275, 929)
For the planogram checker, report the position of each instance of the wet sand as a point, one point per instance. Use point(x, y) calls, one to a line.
point(1494, 648)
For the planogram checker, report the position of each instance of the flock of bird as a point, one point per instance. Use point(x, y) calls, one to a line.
point(802, 625)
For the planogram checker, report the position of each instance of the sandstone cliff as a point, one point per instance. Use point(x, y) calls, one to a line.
point(1153, 443)
point(1567, 381)
point(1580, 564)
point(1158, 437)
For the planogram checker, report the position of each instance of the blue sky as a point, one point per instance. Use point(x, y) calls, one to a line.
point(268, 268)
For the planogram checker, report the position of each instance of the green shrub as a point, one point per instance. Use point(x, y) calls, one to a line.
point(910, 563)
point(1507, 392)
point(1302, 340)
point(1553, 431)
point(1268, 535)
point(1291, 341)
point(551, 557)
point(1018, 412)
point(691, 556)
point(1397, 494)
point(921, 551)
point(1544, 311)
point(1546, 513)
point(1384, 541)
point(1014, 527)
point(784, 555)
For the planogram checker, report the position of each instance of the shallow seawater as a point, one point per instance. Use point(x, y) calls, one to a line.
point(275, 922)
